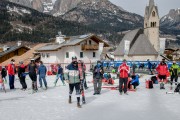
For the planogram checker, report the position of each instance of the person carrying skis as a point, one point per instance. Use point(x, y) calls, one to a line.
point(72, 76)
point(97, 77)
point(82, 79)
point(59, 75)
point(42, 75)
point(162, 70)
point(21, 75)
point(32, 68)
point(124, 70)
point(174, 71)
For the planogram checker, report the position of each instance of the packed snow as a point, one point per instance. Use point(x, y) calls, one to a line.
point(19, 11)
point(52, 104)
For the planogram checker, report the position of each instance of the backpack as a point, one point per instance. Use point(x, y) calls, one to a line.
point(154, 79)
point(177, 89)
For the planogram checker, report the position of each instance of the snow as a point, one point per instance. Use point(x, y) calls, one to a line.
point(170, 18)
point(120, 20)
point(19, 11)
point(144, 104)
point(163, 19)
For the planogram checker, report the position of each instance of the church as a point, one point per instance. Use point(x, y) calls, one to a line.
point(142, 44)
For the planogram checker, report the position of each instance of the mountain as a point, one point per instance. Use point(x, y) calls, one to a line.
point(170, 23)
point(26, 24)
point(103, 14)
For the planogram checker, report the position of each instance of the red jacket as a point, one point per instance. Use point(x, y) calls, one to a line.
point(124, 70)
point(11, 69)
point(162, 69)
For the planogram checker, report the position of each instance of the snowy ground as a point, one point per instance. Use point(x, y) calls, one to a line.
point(144, 104)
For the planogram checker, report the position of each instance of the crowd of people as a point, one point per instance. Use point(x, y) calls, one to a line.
point(75, 76)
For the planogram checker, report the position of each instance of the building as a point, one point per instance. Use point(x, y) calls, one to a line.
point(85, 47)
point(142, 44)
point(10, 52)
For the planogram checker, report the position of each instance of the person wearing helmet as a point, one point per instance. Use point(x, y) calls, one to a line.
point(97, 77)
point(32, 68)
point(72, 76)
point(174, 71)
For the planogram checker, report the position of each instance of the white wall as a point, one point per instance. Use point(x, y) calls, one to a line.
point(138, 58)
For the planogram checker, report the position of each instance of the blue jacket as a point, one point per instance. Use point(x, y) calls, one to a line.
point(60, 70)
point(135, 80)
point(42, 70)
point(149, 65)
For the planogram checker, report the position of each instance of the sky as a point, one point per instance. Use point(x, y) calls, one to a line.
point(138, 6)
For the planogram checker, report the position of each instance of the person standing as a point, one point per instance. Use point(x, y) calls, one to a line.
point(124, 70)
point(4, 74)
point(42, 75)
point(134, 67)
point(97, 77)
point(162, 70)
point(11, 73)
point(21, 75)
point(150, 67)
point(174, 71)
point(59, 75)
point(32, 68)
point(72, 76)
point(84, 75)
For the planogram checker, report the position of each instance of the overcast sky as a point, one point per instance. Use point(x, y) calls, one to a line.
point(138, 6)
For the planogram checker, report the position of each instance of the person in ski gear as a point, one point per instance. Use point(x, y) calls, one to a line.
point(59, 75)
point(135, 81)
point(4, 74)
point(150, 67)
point(21, 75)
point(124, 70)
point(32, 68)
point(97, 77)
point(11, 73)
point(42, 74)
point(82, 79)
point(174, 71)
point(84, 74)
point(72, 76)
point(162, 70)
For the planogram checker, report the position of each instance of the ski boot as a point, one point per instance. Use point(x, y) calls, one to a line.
point(83, 100)
point(70, 101)
point(78, 105)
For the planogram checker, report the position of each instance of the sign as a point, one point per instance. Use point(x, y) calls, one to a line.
point(126, 47)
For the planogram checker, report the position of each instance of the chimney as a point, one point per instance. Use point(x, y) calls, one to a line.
point(19, 43)
point(60, 38)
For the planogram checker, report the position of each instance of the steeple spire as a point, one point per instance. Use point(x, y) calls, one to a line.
point(151, 3)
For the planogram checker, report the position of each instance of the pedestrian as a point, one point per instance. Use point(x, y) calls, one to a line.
point(134, 67)
point(174, 71)
point(60, 74)
point(82, 79)
point(11, 73)
point(84, 75)
point(162, 70)
point(97, 77)
point(21, 75)
point(4, 74)
point(32, 68)
point(150, 66)
point(42, 75)
point(124, 70)
point(72, 76)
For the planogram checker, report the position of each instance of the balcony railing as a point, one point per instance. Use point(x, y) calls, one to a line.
point(89, 47)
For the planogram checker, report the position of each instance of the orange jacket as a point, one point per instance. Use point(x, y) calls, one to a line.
point(162, 69)
point(11, 69)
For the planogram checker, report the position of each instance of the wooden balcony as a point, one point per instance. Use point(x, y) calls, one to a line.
point(89, 47)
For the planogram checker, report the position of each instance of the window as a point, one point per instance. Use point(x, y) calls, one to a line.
point(151, 24)
point(42, 55)
point(90, 42)
point(47, 55)
point(67, 54)
point(81, 54)
point(94, 54)
point(153, 14)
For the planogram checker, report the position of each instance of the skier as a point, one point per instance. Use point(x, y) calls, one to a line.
point(42, 75)
point(59, 75)
point(4, 74)
point(82, 79)
point(11, 72)
point(32, 74)
point(98, 76)
point(21, 75)
point(124, 70)
point(174, 70)
point(162, 70)
point(72, 76)
point(150, 66)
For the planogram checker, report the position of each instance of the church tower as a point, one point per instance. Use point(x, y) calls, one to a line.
point(151, 24)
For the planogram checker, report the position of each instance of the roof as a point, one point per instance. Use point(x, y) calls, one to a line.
point(74, 40)
point(150, 8)
point(11, 49)
point(139, 44)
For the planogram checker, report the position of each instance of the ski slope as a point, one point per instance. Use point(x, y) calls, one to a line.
point(144, 104)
